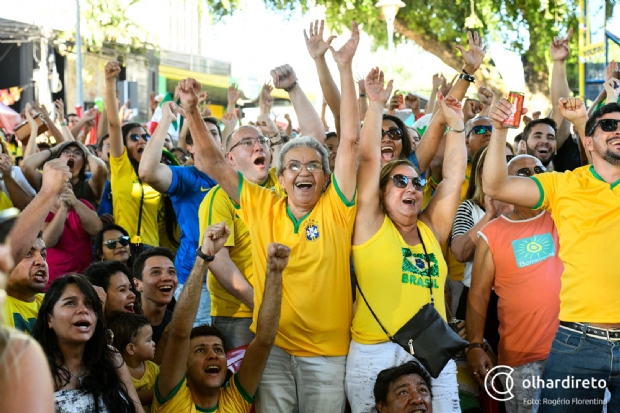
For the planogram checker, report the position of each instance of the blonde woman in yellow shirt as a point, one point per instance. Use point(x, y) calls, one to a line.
point(390, 241)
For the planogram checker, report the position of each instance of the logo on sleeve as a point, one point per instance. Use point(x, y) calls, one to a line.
point(312, 230)
point(530, 251)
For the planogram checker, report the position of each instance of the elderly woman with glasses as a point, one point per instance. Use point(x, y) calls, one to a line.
point(397, 249)
point(135, 203)
point(316, 223)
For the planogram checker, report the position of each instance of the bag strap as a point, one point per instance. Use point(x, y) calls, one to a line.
point(428, 266)
point(357, 284)
point(139, 230)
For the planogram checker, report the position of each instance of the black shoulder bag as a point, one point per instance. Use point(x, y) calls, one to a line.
point(426, 336)
point(139, 246)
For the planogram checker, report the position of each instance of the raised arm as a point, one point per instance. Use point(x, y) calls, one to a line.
point(427, 149)
point(50, 123)
point(438, 79)
point(88, 217)
point(482, 278)
point(117, 147)
point(284, 77)
point(317, 47)
point(102, 127)
point(88, 117)
point(368, 215)
point(485, 97)
point(362, 102)
point(31, 146)
point(230, 278)
point(19, 197)
point(207, 151)
point(346, 158)
point(515, 190)
point(56, 175)
point(234, 94)
point(559, 84)
point(31, 164)
point(59, 109)
point(440, 212)
point(151, 170)
point(98, 172)
point(174, 363)
point(256, 355)
point(53, 230)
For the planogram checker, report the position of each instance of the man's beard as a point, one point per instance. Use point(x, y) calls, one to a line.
point(610, 157)
point(532, 152)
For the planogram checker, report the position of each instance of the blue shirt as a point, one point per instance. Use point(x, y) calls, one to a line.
point(187, 190)
point(105, 206)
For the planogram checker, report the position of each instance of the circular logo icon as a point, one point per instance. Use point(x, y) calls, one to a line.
point(493, 377)
point(534, 247)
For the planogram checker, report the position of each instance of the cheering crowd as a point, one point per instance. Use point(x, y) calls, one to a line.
point(386, 266)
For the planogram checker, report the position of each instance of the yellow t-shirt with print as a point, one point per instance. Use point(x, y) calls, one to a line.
point(218, 207)
point(233, 399)
point(586, 212)
point(394, 279)
point(126, 195)
point(147, 381)
point(22, 315)
point(316, 292)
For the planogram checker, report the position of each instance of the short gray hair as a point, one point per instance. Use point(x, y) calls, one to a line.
point(304, 142)
point(524, 156)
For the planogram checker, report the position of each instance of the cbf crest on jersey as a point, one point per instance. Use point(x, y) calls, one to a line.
point(312, 230)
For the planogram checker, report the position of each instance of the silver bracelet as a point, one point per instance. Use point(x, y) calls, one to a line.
point(456, 131)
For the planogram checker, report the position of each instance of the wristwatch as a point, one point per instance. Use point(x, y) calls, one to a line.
point(283, 140)
point(484, 346)
point(467, 77)
point(207, 258)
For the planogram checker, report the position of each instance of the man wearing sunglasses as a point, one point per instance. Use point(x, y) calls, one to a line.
point(584, 206)
point(517, 255)
point(186, 187)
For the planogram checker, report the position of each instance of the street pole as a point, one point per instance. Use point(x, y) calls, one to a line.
point(390, 8)
point(78, 61)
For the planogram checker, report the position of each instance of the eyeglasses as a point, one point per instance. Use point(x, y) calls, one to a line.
point(394, 134)
point(136, 137)
point(249, 142)
point(481, 129)
point(607, 125)
point(528, 172)
point(111, 244)
point(312, 166)
point(401, 181)
point(76, 153)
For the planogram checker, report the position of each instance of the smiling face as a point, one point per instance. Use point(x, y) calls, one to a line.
point(30, 276)
point(119, 298)
point(541, 143)
point(252, 161)
point(475, 141)
point(390, 149)
point(206, 363)
point(73, 157)
point(605, 145)
point(159, 280)
point(304, 188)
point(402, 204)
point(119, 252)
point(407, 394)
point(73, 318)
point(135, 149)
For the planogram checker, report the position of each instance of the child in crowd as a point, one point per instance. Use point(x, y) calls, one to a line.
point(133, 338)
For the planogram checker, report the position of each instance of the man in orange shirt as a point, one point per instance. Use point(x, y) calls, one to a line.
point(518, 256)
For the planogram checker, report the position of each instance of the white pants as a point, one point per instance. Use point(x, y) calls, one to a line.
point(364, 363)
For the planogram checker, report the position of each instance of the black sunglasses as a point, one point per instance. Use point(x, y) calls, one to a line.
point(482, 129)
point(394, 134)
point(509, 158)
point(528, 172)
point(136, 137)
point(607, 125)
point(111, 244)
point(401, 181)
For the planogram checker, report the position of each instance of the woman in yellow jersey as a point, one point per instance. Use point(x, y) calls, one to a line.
point(390, 238)
point(135, 204)
point(305, 369)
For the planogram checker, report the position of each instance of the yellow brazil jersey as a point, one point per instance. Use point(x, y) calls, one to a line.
point(233, 399)
point(394, 279)
point(586, 212)
point(218, 207)
point(5, 201)
point(126, 195)
point(316, 291)
point(22, 315)
point(147, 381)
